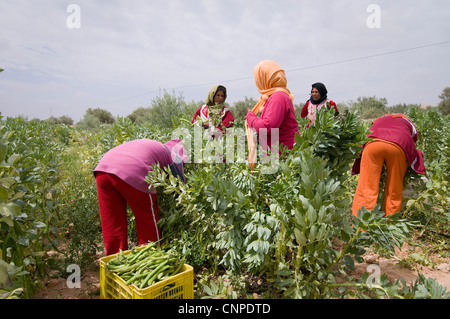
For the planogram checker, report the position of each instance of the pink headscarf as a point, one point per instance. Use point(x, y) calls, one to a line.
point(176, 149)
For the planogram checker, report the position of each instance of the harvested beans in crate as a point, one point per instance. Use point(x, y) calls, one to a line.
point(145, 272)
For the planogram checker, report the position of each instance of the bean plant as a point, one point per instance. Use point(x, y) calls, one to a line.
point(282, 229)
point(294, 227)
point(29, 199)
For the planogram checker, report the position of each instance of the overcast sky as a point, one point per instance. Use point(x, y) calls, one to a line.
point(121, 54)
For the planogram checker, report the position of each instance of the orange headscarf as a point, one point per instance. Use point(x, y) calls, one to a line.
point(269, 78)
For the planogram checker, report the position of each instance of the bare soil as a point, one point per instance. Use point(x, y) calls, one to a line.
point(54, 287)
point(395, 268)
point(401, 266)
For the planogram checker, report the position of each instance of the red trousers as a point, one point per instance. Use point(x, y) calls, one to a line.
point(113, 197)
point(374, 156)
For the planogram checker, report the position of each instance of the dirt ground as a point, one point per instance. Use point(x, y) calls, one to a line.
point(394, 268)
point(57, 288)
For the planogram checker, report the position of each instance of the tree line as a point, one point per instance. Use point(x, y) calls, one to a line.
point(168, 110)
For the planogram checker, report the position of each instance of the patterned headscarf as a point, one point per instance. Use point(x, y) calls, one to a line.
point(214, 109)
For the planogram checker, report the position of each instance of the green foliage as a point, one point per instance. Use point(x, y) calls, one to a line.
point(279, 222)
point(381, 288)
point(103, 116)
point(80, 209)
point(338, 141)
point(342, 107)
point(281, 225)
point(423, 288)
point(432, 129)
point(165, 110)
point(240, 108)
point(401, 108)
point(61, 120)
point(444, 105)
point(429, 201)
point(29, 198)
point(227, 286)
point(139, 114)
point(89, 122)
point(369, 107)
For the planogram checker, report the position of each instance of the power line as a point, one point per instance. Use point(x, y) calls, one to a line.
point(175, 88)
point(131, 97)
point(370, 56)
point(293, 70)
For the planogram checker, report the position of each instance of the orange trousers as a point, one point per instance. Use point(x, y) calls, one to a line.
point(374, 156)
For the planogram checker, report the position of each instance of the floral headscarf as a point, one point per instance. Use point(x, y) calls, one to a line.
point(214, 109)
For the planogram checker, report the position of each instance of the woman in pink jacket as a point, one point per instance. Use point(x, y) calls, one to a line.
point(393, 144)
point(215, 114)
point(319, 99)
point(276, 109)
point(120, 177)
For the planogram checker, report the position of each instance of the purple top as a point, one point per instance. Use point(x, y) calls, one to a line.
point(400, 130)
point(132, 161)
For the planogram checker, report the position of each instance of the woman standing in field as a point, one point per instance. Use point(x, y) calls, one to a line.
point(393, 144)
point(121, 180)
point(317, 101)
point(215, 114)
point(276, 109)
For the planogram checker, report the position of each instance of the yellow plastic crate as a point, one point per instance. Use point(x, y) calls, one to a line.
point(179, 286)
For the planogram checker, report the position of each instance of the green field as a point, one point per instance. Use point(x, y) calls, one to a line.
point(284, 234)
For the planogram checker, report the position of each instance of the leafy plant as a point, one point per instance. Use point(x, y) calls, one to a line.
point(282, 225)
point(429, 202)
point(222, 287)
point(29, 198)
point(287, 223)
